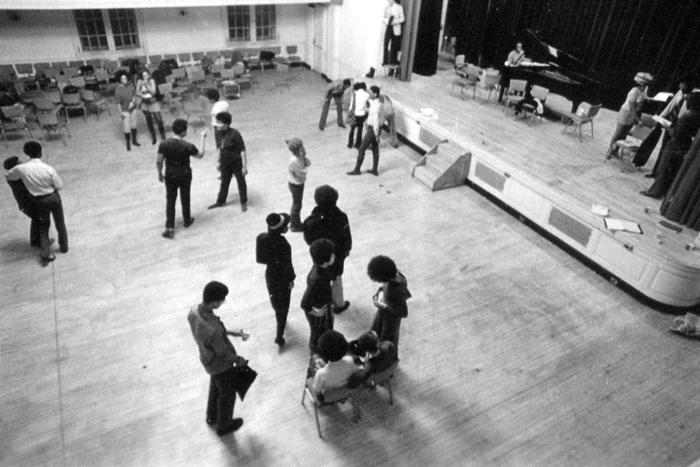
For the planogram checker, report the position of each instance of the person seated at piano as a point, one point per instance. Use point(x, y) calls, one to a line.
point(630, 111)
point(517, 56)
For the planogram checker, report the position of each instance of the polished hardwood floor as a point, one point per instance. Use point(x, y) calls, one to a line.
point(514, 352)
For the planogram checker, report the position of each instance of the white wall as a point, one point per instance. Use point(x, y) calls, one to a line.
point(51, 36)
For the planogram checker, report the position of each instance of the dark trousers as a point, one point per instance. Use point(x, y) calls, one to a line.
point(150, 117)
point(369, 141)
point(338, 98)
point(172, 185)
point(280, 295)
point(620, 132)
point(670, 162)
point(51, 206)
point(230, 168)
point(318, 325)
point(31, 213)
point(392, 45)
point(222, 398)
point(358, 124)
point(295, 212)
point(387, 326)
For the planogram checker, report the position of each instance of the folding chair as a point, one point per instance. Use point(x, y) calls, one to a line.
point(383, 378)
point(331, 397)
point(15, 120)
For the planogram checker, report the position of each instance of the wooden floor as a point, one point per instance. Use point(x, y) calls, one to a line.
point(514, 353)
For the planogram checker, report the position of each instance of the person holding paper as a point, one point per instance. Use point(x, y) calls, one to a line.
point(629, 112)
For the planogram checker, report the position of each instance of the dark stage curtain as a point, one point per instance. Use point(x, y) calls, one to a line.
point(612, 38)
point(682, 203)
point(428, 38)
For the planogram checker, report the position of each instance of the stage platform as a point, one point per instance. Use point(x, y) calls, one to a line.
point(553, 179)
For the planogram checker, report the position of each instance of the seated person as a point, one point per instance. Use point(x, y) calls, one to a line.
point(333, 348)
point(377, 356)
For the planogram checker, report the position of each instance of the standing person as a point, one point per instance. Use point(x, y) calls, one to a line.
point(358, 112)
point(232, 161)
point(318, 296)
point(390, 299)
point(389, 121)
point(146, 90)
point(371, 138)
point(393, 18)
point(298, 165)
point(334, 91)
point(218, 356)
point(175, 152)
point(273, 250)
point(328, 221)
point(218, 105)
point(43, 183)
point(630, 111)
point(25, 201)
point(124, 97)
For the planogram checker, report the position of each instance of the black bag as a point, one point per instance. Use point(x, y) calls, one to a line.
point(245, 376)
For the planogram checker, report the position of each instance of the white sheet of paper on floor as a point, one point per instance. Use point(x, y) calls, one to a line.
point(600, 210)
point(619, 224)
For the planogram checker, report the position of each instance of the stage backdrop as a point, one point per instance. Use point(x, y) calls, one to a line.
point(612, 38)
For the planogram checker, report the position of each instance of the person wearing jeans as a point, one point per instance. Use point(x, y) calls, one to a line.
point(175, 152)
point(372, 130)
point(334, 91)
point(298, 165)
point(232, 161)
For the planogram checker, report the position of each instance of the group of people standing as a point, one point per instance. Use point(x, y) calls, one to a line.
point(142, 95)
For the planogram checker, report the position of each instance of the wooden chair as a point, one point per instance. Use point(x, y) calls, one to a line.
point(514, 94)
point(331, 397)
point(292, 59)
point(626, 149)
point(13, 120)
point(267, 59)
point(50, 121)
point(73, 101)
point(539, 93)
point(383, 379)
point(470, 79)
point(488, 82)
point(584, 114)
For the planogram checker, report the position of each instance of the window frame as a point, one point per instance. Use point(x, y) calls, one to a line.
point(121, 17)
point(261, 23)
point(232, 13)
point(266, 14)
point(105, 30)
point(86, 37)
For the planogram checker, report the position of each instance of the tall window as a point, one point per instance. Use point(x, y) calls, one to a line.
point(239, 23)
point(124, 30)
point(265, 22)
point(91, 30)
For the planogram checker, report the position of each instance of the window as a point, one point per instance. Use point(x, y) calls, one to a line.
point(239, 23)
point(91, 30)
point(123, 22)
point(265, 22)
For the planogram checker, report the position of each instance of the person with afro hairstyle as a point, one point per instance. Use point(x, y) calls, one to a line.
point(25, 201)
point(390, 298)
point(328, 221)
point(218, 356)
point(317, 298)
point(340, 367)
point(43, 183)
point(273, 250)
point(175, 152)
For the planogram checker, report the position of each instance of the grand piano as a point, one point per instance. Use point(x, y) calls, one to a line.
point(555, 69)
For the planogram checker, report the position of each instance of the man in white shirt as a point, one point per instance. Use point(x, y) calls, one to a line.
point(371, 138)
point(358, 109)
point(43, 183)
point(393, 18)
point(218, 105)
point(336, 373)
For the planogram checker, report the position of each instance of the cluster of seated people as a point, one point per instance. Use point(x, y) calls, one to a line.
point(339, 364)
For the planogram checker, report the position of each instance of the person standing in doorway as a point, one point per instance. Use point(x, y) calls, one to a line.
point(175, 152)
point(232, 161)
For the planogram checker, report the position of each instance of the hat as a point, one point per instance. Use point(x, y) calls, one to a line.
point(294, 144)
point(277, 221)
point(643, 78)
point(332, 346)
point(326, 195)
point(368, 342)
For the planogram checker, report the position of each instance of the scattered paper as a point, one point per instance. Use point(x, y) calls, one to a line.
point(619, 224)
point(662, 96)
point(428, 112)
point(600, 210)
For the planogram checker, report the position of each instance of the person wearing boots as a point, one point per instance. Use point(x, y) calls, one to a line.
point(124, 97)
point(274, 251)
point(371, 138)
point(146, 90)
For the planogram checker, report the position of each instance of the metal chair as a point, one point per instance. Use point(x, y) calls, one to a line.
point(94, 101)
point(626, 149)
point(488, 81)
point(383, 379)
point(538, 93)
point(514, 94)
point(470, 79)
point(331, 397)
point(73, 101)
point(584, 114)
point(13, 119)
point(52, 121)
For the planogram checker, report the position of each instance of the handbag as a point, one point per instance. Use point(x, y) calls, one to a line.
point(245, 376)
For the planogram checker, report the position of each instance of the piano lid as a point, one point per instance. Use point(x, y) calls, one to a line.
point(567, 64)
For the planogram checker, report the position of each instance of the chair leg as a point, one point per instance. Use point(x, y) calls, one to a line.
point(591, 128)
point(580, 136)
point(318, 424)
point(303, 396)
point(391, 395)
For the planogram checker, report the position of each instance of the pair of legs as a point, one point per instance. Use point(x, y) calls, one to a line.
point(387, 326)
point(232, 168)
point(620, 133)
point(129, 122)
point(51, 206)
point(297, 192)
point(172, 186)
point(318, 325)
point(152, 116)
point(369, 141)
point(392, 45)
point(357, 124)
point(390, 126)
point(338, 98)
point(670, 162)
point(280, 294)
point(222, 399)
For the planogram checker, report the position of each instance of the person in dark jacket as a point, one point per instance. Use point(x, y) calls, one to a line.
point(25, 201)
point(336, 228)
point(317, 298)
point(376, 356)
point(390, 299)
point(273, 250)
